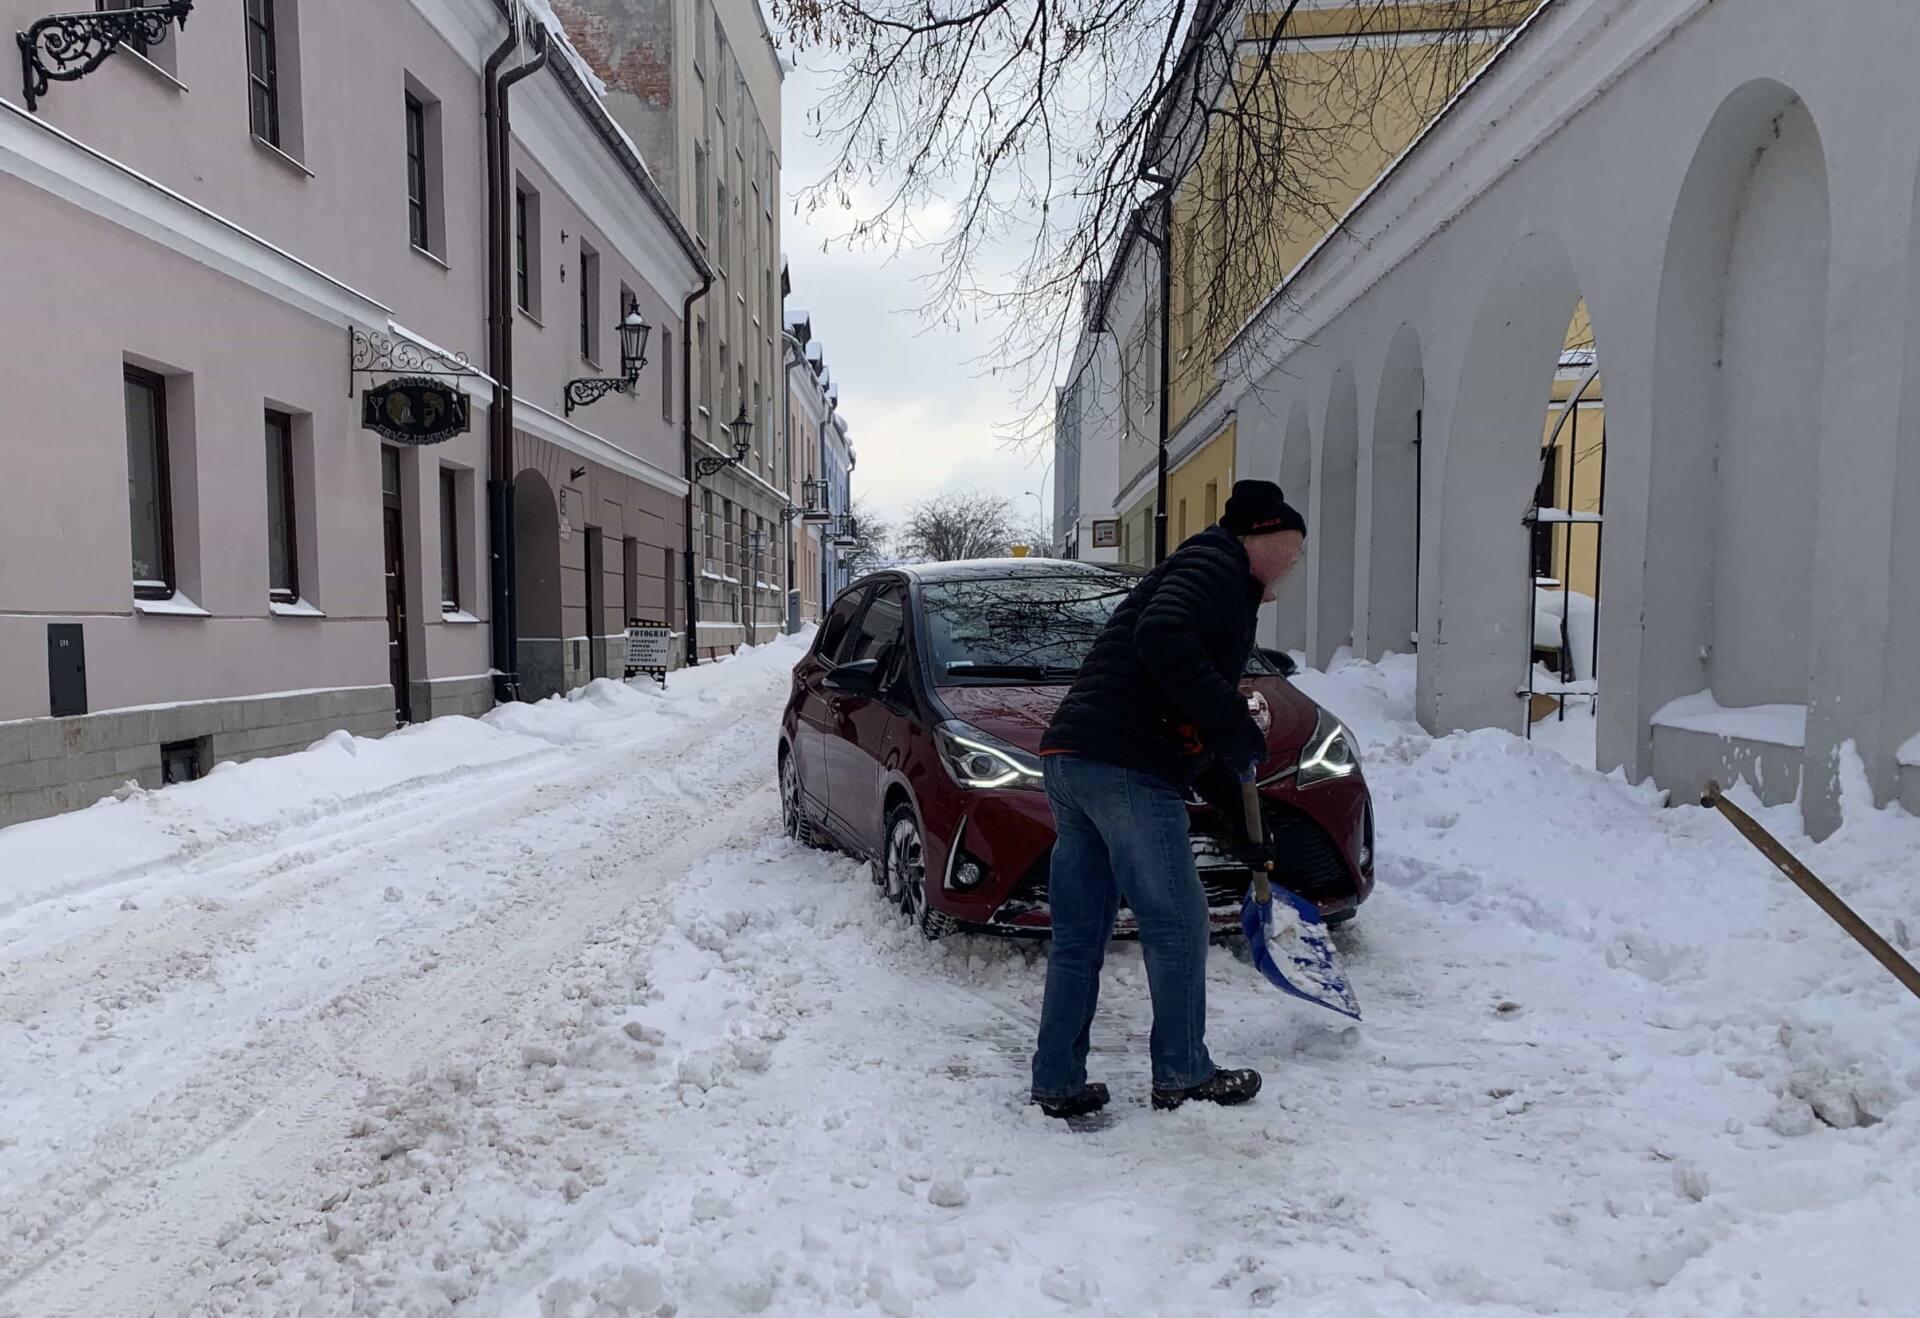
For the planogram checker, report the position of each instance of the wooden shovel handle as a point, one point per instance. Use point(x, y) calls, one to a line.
point(1257, 834)
point(1808, 882)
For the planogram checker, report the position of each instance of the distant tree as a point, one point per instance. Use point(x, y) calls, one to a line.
point(873, 547)
point(956, 525)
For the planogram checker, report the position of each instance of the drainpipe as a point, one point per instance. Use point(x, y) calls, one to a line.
point(503, 265)
point(500, 411)
point(786, 446)
point(1164, 243)
point(686, 455)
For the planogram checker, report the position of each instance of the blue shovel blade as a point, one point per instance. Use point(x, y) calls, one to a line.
point(1292, 948)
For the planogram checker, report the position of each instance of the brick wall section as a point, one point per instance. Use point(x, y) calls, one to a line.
point(629, 43)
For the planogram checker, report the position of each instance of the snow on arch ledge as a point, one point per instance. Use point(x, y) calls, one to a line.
point(1775, 725)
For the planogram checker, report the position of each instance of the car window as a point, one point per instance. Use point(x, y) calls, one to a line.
point(833, 632)
point(880, 627)
point(1018, 628)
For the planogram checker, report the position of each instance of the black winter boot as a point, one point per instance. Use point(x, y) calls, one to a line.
point(1090, 1099)
point(1227, 1088)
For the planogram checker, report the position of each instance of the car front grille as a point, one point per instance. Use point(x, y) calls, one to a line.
point(1310, 864)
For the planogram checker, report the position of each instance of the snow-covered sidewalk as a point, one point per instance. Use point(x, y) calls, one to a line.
point(555, 1024)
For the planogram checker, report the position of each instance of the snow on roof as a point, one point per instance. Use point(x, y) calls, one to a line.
point(797, 316)
point(815, 353)
point(541, 12)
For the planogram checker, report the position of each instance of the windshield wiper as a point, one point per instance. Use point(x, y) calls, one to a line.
point(967, 668)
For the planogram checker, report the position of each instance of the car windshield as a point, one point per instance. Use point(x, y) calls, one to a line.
point(1034, 628)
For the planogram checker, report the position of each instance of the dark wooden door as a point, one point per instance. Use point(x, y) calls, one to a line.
point(396, 567)
point(596, 601)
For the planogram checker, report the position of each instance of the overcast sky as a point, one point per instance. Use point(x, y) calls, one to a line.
point(923, 414)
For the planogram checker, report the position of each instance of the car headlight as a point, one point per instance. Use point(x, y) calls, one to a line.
point(980, 759)
point(1332, 752)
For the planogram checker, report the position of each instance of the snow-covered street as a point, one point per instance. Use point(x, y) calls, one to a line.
point(540, 1015)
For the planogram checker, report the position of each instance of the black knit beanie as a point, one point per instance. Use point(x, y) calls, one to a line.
point(1259, 508)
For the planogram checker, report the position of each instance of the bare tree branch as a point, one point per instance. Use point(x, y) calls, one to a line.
point(1018, 139)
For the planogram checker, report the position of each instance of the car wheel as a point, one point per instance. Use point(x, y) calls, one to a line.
point(793, 814)
point(1339, 918)
point(905, 875)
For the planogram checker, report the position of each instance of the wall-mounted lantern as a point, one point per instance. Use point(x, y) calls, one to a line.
point(633, 330)
point(742, 445)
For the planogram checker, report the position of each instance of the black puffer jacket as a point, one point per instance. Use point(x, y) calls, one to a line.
point(1160, 689)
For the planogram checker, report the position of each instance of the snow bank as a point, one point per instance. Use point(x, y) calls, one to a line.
point(1778, 725)
point(135, 832)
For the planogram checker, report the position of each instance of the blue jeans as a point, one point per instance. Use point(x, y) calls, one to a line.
point(1119, 833)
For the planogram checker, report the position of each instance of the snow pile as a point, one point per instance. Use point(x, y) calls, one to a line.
point(136, 834)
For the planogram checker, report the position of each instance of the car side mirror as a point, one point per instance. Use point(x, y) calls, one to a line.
point(859, 678)
point(1282, 660)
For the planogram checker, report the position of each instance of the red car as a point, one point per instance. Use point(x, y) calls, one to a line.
point(912, 736)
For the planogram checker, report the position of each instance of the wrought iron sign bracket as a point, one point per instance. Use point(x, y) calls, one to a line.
point(67, 47)
point(588, 391)
point(373, 352)
point(705, 467)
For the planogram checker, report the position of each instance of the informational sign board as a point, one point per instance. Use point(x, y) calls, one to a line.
point(416, 410)
point(649, 648)
point(1106, 533)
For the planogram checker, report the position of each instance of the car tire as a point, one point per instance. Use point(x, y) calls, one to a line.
point(1339, 918)
point(904, 875)
point(793, 814)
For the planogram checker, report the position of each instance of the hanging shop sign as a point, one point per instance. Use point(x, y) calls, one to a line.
point(1106, 533)
point(416, 409)
point(649, 648)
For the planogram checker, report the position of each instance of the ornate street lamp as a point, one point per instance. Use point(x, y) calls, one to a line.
point(633, 330)
point(742, 445)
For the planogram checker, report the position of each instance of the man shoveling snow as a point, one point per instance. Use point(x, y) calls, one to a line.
point(1157, 698)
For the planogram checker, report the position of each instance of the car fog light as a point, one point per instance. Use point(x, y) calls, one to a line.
point(1366, 856)
point(968, 874)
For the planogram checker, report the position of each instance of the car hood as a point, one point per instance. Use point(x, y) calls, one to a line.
point(1020, 714)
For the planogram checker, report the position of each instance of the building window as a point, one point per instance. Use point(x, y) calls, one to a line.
point(629, 579)
point(726, 381)
point(590, 302)
point(1213, 502)
point(730, 544)
point(263, 70)
point(706, 526)
point(526, 248)
point(722, 226)
point(703, 368)
point(449, 540)
point(149, 484)
point(283, 555)
point(666, 373)
point(700, 167)
point(161, 54)
point(426, 214)
point(700, 38)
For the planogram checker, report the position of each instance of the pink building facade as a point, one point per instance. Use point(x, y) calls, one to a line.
point(204, 553)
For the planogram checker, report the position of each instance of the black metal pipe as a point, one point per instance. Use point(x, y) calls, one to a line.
point(1166, 360)
point(503, 434)
point(689, 344)
point(500, 412)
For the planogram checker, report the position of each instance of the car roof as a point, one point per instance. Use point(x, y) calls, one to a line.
point(977, 569)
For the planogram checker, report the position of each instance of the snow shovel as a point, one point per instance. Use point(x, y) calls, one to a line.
point(1289, 940)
